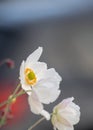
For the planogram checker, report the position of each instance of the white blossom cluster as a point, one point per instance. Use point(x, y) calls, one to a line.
point(42, 86)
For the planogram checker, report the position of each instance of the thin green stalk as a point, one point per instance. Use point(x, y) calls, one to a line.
point(21, 92)
point(3, 103)
point(8, 100)
point(17, 88)
point(36, 123)
point(3, 119)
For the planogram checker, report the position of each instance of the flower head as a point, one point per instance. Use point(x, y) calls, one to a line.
point(42, 82)
point(65, 115)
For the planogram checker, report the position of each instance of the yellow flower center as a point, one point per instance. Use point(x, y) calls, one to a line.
point(30, 76)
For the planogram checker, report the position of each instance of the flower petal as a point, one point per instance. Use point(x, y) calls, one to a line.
point(63, 127)
point(36, 106)
point(37, 67)
point(21, 75)
point(69, 111)
point(65, 103)
point(45, 114)
point(47, 91)
point(66, 114)
point(27, 88)
point(72, 114)
point(51, 73)
point(22, 79)
point(34, 57)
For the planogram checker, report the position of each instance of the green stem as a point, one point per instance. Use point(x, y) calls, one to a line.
point(36, 123)
point(5, 102)
point(9, 101)
point(21, 92)
point(3, 119)
point(17, 88)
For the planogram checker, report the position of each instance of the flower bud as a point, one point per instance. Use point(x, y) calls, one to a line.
point(9, 63)
point(65, 115)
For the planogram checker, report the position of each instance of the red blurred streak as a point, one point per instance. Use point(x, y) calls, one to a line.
point(20, 106)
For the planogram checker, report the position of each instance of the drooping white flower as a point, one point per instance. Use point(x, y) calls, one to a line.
point(36, 106)
point(65, 115)
point(43, 82)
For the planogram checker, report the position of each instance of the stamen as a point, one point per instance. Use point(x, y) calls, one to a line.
point(30, 76)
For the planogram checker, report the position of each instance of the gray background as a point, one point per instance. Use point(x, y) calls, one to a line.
point(65, 30)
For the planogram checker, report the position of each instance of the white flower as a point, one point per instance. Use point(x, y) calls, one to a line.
point(65, 115)
point(43, 82)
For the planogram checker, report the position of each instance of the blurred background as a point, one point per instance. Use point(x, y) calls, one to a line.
point(64, 28)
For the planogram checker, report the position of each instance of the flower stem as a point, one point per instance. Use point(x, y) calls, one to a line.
point(5, 102)
point(3, 119)
point(9, 101)
point(36, 123)
point(17, 88)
